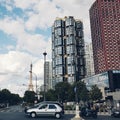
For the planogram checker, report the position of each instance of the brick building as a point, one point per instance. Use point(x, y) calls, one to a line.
point(105, 32)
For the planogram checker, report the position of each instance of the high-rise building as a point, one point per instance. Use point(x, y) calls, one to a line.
point(89, 59)
point(48, 76)
point(105, 32)
point(30, 87)
point(68, 62)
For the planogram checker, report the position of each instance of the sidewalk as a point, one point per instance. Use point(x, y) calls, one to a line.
point(99, 113)
point(69, 111)
point(5, 108)
point(104, 113)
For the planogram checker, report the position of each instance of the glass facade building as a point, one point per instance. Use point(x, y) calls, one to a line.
point(68, 62)
point(109, 80)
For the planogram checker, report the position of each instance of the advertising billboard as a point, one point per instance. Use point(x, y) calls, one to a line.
point(101, 80)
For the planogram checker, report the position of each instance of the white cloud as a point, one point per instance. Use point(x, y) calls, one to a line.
point(10, 47)
point(43, 15)
point(15, 68)
point(25, 40)
point(11, 26)
point(14, 61)
point(25, 4)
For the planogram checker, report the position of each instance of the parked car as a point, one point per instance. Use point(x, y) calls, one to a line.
point(115, 113)
point(85, 112)
point(45, 109)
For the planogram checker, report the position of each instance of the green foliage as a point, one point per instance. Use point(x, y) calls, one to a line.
point(69, 107)
point(95, 93)
point(7, 97)
point(81, 90)
point(15, 99)
point(51, 95)
point(29, 96)
point(63, 91)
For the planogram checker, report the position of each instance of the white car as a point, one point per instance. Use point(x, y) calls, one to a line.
point(46, 109)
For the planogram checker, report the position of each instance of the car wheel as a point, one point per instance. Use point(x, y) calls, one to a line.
point(33, 114)
point(57, 115)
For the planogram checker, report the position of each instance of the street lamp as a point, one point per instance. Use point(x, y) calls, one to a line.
point(77, 116)
point(44, 74)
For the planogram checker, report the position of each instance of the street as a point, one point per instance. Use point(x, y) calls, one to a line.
point(16, 113)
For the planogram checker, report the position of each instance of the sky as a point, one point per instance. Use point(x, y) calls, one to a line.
point(25, 33)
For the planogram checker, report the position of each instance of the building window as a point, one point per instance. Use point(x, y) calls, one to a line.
point(70, 69)
point(70, 49)
point(59, 60)
point(69, 21)
point(58, 41)
point(69, 30)
point(70, 60)
point(80, 33)
point(58, 50)
point(58, 31)
point(57, 23)
point(79, 25)
point(59, 70)
point(70, 40)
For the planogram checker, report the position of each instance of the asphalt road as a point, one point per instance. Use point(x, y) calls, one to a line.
point(16, 113)
point(21, 116)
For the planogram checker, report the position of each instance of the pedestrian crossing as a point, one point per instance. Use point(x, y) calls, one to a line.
point(11, 110)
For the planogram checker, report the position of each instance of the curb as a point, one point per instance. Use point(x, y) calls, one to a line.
point(69, 111)
point(99, 113)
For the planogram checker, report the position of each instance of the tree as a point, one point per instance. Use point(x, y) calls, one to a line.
point(14, 99)
point(51, 95)
point(7, 97)
point(95, 93)
point(29, 96)
point(81, 91)
point(62, 90)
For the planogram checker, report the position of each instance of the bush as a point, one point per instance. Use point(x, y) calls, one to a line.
point(69, 107)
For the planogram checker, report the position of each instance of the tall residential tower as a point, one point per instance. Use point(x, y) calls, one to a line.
point(105, 31)
point(89, 60)
point(68, 62)
point(30, 87)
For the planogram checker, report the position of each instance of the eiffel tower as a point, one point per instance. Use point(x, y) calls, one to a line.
point(30, 87)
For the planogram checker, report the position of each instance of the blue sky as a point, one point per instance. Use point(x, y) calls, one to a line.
point(25, 33)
